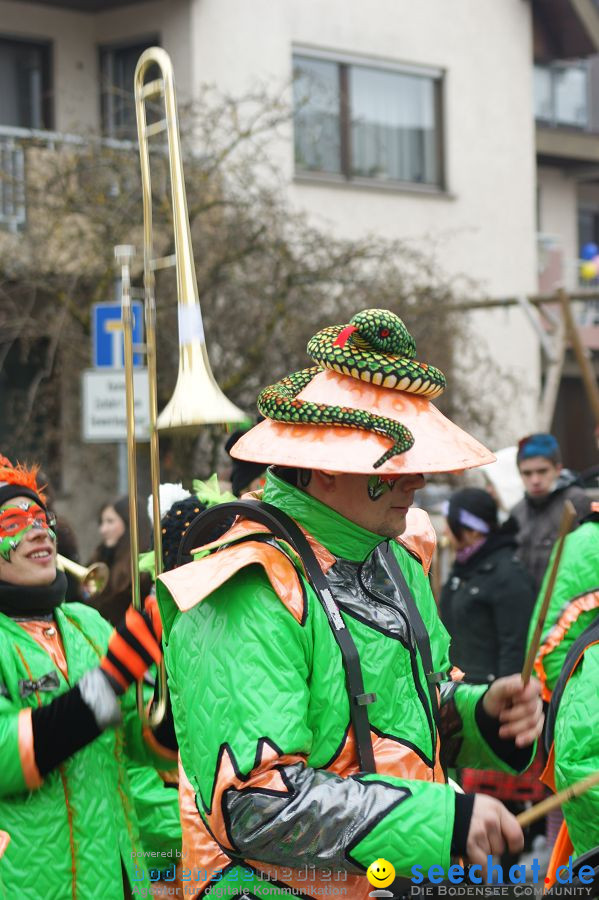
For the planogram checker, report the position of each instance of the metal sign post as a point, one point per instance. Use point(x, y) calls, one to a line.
point(104, 416)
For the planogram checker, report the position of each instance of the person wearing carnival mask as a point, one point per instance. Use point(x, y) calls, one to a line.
point(308, 764)
point(68, 717)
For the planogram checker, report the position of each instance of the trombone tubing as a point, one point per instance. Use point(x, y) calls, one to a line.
point(150, 57)
point(130, 409)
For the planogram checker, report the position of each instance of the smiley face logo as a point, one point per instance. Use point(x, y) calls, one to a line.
point(380, 873)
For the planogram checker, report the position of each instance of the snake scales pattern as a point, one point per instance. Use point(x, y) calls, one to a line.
point(375, 347)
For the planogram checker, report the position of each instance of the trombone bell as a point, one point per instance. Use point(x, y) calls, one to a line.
point(93, 579)
point(197, 399)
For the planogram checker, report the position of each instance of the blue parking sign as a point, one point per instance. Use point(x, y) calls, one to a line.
point(107, 335)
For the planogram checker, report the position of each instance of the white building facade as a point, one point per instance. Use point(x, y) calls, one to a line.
point(413, 121)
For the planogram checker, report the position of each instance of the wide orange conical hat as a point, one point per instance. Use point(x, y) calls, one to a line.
point(365, 408)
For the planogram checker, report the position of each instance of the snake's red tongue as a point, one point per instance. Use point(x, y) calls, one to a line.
point(341, 339)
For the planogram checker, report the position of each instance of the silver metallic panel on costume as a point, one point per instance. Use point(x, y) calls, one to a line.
point(367, 591)
point(323, 815)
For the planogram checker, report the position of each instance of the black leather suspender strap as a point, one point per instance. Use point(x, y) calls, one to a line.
point(283, 527)
point(418, 629)
point(589, 636)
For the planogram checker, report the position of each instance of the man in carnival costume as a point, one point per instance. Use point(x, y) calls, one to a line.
point(567, 666)
point(309, 761)
point(68, 718)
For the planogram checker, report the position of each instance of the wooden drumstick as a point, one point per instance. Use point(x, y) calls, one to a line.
point(545, 806)
point(568, 517)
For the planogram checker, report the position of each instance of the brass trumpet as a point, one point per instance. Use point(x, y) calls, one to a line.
point(197, 399)
point(92, 579)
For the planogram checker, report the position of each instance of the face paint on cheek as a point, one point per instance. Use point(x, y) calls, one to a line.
point(378, 486)
point(8, 543)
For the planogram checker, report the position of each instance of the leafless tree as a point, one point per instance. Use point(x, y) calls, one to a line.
point(268, 278)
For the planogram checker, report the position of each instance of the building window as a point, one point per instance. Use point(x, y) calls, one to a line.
point(25, 98)
point(588, 225)
point(117, 70)
point(561, 93)
point(364, 122)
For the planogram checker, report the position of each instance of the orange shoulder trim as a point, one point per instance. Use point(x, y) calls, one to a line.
point(548, 774)
point(192, 583)
point(419, 537)
point(558, 632)
point(241, 528)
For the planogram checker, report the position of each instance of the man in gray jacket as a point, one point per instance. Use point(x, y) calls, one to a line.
point(547, 487)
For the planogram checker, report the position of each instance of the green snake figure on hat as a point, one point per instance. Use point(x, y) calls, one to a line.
point(375, 347)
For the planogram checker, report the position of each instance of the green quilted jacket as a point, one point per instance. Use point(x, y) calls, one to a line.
point(576, 746)
point(68, 837)
point(574, 602)
point(262, 713)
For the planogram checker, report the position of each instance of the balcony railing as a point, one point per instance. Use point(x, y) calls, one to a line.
point(14, 143)
point(561, 95)
point(12, 185)
point(555, 270)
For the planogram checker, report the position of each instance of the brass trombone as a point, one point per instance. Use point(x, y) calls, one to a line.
point(92, 579)
point(197, 399)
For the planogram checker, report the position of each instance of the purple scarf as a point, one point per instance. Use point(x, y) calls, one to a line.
point(463, 555)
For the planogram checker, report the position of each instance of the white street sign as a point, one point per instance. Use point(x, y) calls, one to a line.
point(104, 417)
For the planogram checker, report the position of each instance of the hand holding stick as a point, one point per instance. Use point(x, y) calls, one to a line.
point(568, 517)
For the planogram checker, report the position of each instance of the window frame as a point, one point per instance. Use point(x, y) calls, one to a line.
point(106, 98)
point(46, 46)
point(552, 69)
point(344, 61)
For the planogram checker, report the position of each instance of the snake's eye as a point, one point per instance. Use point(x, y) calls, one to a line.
point(384, 332)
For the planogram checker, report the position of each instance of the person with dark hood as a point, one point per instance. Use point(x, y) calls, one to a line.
point(68, 717)
point(488, 598)
point(547, 486)
point(114, 550)
point(245, 476)
point(486, 605)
